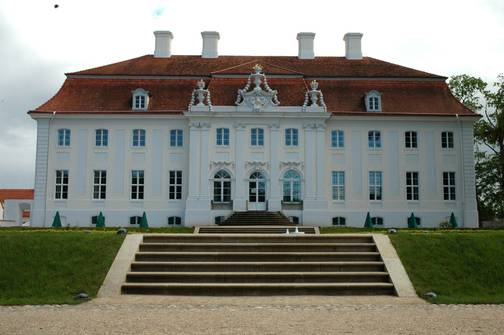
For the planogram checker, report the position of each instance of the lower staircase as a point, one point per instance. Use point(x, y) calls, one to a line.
point(252, 264)
point(256, 218)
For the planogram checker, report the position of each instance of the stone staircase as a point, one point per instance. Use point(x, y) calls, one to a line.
point(231, 264)
point(256, 218)
point(255, 229)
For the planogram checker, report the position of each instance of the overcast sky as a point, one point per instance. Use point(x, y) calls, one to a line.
point(39, 43)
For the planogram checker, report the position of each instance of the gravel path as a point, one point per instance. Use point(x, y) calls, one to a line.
point(255, 315)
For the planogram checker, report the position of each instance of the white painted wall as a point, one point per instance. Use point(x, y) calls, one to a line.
point(200, 158)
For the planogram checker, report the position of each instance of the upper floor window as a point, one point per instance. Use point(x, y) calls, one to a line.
point(140, 99)
point(139, 137)
point(101, 137)
point(176, 138)
point(222, 136)
point(337, 139)
point(410, 140)
point(291, 186)
point(374, 139)
point(447, 140)
point(291, 137)
point(375, 185)
point(257, 137)
point(64, 137)
point(373, 101)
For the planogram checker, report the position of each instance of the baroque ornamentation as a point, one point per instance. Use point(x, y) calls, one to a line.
point(256, 164)
point(200, 96)
point(291, 165)
point(261, 96)
point(314, 96)
point(221, 164)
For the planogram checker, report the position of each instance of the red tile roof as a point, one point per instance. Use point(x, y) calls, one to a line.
point(15, 193)
point(170, 82)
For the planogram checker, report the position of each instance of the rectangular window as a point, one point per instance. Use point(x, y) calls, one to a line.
point(100, 184)
point(412, 186)
point(223, 136)
point(101, 137)
point(375, 185)
point(176, 138)
point(338, 221)
point(64, 137)
point(61, 184)
point(374, 139)
point(137, 185)
point(449, 185)
point(139, 101)
point(257, 137)
point(410, 140)
point(139, 137)
point(377, 221)
point(338, 185)
point(135, 220)
point(291, 137)
point(337, 139)
point(177, 220)
point(447, 140)
point(175, 186)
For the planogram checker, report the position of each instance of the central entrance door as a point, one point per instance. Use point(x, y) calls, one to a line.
point(257, 192)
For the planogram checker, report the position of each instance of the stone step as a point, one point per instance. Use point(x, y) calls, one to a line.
point(373, 266)
point(257, 277)
point(259, 288)
point(257, 256)
point(259, 247)
point(260, 238)
point(254, 230)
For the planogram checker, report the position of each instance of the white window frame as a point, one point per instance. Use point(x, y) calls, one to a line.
point(140, 100)
point(339, 221)
point(257, 137)
point(100, 184)
point(338, 185)
point(373, 101)
point(137, 185)
point(337, 139)
point(291, 137)
point(64, 137)
point(412, 186)
point(175, 184)
point(291, 187)
point(447, 140)
point(176, 138)
point(174, 220)
point(375, 186)
point(411, 139)
point(377, 221)
point(138, 138)
point(222, 137)
point(136, 220)
point(101, 137)
point(61, 184)
point(222, 178)
point(449, 186)
point(374, 139)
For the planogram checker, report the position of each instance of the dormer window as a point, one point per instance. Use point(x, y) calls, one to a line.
point(140, 99)
point(373, 101)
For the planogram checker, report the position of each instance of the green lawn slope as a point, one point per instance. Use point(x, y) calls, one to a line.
point(460, 267)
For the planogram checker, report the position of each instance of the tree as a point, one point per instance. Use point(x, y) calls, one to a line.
point(489, 139)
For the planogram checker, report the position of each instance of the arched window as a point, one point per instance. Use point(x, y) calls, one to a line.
point(373, 101)
point(222, 186)
point(291, 186)
point(140, 99)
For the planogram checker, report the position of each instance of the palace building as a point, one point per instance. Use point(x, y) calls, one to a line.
point(193, 139)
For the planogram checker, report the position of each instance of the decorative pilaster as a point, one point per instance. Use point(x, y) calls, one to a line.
point(204, 162)
point(38, 218)
point(470, 219)
point(240, 198)
point(310, 161)
point(194, 160)
point(321, 173)
point(274, 203)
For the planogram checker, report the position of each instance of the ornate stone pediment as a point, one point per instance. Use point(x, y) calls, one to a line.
point(256, 165)
point(261, 96)
point(291, 165)
point(222, 164)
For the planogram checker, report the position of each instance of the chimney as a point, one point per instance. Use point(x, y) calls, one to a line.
point(353, 45)
point(306, 45)
point(163, 44)
point(210, 42)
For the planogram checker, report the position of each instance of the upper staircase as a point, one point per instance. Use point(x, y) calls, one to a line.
point(257, 218)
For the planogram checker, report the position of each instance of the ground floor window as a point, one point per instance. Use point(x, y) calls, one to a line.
point(222, 186)
point(291, 186)
point(135, 219)
point(294, 219)
point(61, 184)
point(449, 185)
point(137, 184)
point(338, 185)
point(219, 219)
point(338, 221)
point(377, 221)
point(175, 186)
point(375, 185)
point(172, 220)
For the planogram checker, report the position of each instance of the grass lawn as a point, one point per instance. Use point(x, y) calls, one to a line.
point(50, 266)
point(465, 267)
